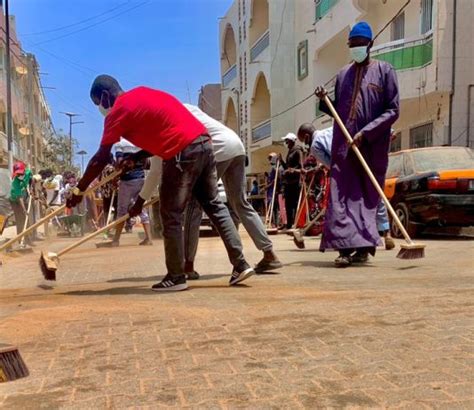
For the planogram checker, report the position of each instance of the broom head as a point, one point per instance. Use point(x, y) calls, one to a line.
point(272, 231)
point(49, 265)
point(298, 239)
point(105, 244)
point(411, 251)
point(12, 366)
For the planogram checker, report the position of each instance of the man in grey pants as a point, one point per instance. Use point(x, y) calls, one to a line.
point(230, 163)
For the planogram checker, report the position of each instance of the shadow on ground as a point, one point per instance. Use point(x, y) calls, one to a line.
point(155, 278)
point(142, 290)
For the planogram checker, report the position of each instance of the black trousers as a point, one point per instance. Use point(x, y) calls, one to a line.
point(292, 194)
point(192, 173)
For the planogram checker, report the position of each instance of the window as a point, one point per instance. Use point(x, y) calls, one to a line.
point(396, 143)
point(395, 166)
point(426, 16)
point(302, 59)
point(246, 111)
point(421, 136)
point(398, 28)
point(243, 7)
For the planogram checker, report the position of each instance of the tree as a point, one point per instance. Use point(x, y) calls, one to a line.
point(58, 153)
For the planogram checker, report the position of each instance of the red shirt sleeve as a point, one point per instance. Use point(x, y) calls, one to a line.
point(115, 125)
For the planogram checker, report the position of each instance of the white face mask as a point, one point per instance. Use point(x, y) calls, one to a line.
point(359, 54)
point(21, 177)
point(104, 111)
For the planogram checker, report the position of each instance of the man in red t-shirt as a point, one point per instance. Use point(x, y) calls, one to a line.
point(160, 125)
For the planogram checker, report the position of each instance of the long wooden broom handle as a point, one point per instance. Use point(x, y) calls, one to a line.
point(270, 216)
point(367, 169)
point(28, 210)
point(57, 211)
point(104, 229)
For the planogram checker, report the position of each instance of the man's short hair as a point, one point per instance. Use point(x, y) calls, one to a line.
point(306, 128)
point(102, 83)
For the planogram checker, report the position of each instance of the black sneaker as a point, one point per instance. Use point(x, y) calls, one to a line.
point(240, 274)
point(192, 275)
point(170, 284)
point(360, 257)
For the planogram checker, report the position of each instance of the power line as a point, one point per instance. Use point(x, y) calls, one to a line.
point(92, 25)
point(38, 33)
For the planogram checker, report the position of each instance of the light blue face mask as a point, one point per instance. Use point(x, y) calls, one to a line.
point(359, 54)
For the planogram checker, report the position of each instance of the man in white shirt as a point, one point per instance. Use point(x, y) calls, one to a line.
point(229, 152)
point(230, 163)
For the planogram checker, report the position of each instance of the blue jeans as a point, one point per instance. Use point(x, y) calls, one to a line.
point(382, 218)
point(190, 174)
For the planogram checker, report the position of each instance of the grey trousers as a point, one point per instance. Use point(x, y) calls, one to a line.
point(232, 173)
point(192, 174)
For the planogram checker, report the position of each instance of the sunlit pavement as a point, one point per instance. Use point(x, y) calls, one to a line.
point(393, 333)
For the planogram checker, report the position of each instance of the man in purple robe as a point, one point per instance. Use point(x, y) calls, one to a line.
point(367, 100)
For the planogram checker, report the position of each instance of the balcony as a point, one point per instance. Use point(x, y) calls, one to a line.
point(260, 45)
point(323, 7)
point(262, 131)
point(406, 54)
point(229, 75)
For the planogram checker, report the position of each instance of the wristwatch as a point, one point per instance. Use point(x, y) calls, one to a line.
point(77, 192)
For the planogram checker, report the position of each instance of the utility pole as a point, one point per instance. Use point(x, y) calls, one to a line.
point(71, 115)
point(9, 91)
point(82, 153)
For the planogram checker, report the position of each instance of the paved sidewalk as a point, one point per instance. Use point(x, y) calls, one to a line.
point(392, 334)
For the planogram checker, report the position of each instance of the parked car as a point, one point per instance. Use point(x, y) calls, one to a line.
point(431, 187)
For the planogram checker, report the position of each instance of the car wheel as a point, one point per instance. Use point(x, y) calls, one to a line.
point(404, 216)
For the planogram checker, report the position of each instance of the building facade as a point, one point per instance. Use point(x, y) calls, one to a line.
point(209, 100)
point(305, 44)
point(32, 125)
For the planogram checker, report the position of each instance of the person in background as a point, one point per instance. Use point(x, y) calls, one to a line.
point(291, 177)
point(130, 185)
point(19, 195)
point(270, 184)
point(53, 188)
point(320, 143)
point(367, 101)
point(107, 190)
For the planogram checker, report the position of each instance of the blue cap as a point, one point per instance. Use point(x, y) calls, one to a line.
point(361, 29)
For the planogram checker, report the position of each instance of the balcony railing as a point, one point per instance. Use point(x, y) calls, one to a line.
point(262, 131)
point(405, 55)
point(229, 75)
point(323, 7)
point(261, 44)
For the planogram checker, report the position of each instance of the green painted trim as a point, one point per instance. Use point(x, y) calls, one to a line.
point(323, 7)
point(409, 57)
point(303, 45)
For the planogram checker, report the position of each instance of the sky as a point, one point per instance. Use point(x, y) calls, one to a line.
point(172, 45)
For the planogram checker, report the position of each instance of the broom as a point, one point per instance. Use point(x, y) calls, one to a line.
point(12, 366)
point(410, 249)
point(56, 212)
point(299, 233)
point(49, 262)
point(270, 230)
